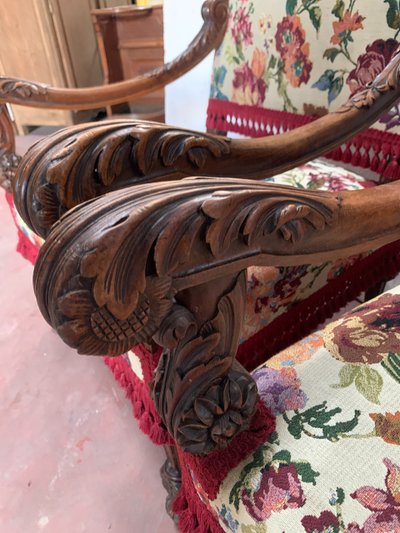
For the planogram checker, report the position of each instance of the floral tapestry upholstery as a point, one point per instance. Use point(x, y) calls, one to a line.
point(283, 63)
point(333, 462)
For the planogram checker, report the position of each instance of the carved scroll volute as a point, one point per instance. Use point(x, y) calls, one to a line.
point(81, 163)
point(203, 395)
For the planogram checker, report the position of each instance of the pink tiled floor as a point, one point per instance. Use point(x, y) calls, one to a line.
point(71, 457)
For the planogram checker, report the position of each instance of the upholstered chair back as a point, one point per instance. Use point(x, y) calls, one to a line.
point(284, 62)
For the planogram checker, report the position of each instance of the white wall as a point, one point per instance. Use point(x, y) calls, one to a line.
point(186, 98)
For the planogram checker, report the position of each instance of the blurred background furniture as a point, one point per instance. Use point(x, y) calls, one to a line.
point(130, 42)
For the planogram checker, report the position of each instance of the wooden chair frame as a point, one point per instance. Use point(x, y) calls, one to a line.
point(142, 255)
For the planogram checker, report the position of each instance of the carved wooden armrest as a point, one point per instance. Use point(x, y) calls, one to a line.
point(33, 94)
point(80, 163)
point(167, 262)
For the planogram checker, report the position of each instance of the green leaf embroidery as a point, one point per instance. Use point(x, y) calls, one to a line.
point(331, 53)
point(315, 16)
point(391, 364)
point(338, 9)
point(290, 6)
point(319, 417)
point(306, 473)
point(257, 462)
point(347, 375)
point(340, 496)
point(369, 383)
point(393, 14)
point(283, 456)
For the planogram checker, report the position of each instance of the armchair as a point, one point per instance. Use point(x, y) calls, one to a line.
point(136, 256)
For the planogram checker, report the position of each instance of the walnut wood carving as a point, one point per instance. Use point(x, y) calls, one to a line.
point(8, 159)
point(80, 163)
point(7, 139)
point(28, 93)
point(163, 261)
point(203, 395)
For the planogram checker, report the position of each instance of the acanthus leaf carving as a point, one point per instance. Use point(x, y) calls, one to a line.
point(203, 395)
point(71, 167)
point(129, 248)
point(21, 88)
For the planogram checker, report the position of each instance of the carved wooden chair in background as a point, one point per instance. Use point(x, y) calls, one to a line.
point(159, 263)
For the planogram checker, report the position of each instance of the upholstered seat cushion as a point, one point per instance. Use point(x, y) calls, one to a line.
point(333, 462)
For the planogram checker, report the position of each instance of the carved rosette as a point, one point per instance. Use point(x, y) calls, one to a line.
point(203, 395)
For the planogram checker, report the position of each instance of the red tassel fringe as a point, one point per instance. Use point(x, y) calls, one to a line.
point(210, 472)
point(24, 246)
point(307, 315)
point(374, 149)
point(212, 469)
point(137, 391)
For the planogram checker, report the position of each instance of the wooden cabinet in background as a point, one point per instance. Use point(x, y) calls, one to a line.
point(131, 43)
point(51, 41)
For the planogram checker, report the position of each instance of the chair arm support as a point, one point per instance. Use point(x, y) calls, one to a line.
point(33, 94)
point(167, 262)
point(80, 163)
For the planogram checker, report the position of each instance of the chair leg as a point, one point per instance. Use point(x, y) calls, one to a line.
point(374, 291)
point(171, 478)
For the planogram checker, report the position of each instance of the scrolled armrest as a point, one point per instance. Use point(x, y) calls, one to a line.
point(86, 161)
point(166, 262)
point(34, 94)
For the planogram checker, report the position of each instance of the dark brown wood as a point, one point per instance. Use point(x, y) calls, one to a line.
point(29, 93)
point(80, 163)
point(8, 159)
point(171, 479)
point(164, 261)
point(160, 261)
point(203, 395)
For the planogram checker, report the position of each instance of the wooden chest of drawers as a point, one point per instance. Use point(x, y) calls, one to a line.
point(130, 41)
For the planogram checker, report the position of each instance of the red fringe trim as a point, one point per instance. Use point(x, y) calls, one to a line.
point(373, 149)
point(307, 315)
point(24, 246)
point(210, 471)
point(194, 516)
point(137, 391)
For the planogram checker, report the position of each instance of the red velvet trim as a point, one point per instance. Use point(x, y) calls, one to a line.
point(211, 470)
point(305, 316)
point(374, 149)
point(137, 391)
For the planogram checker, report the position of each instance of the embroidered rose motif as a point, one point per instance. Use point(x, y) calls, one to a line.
point(247, 88)
point(279, 489)
point(291, 44)
point(279, 389)
point(367, 334)
point(325, 522)
point(387, 426)
point(385, 505)
point(241, 27)
point(377, 55)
